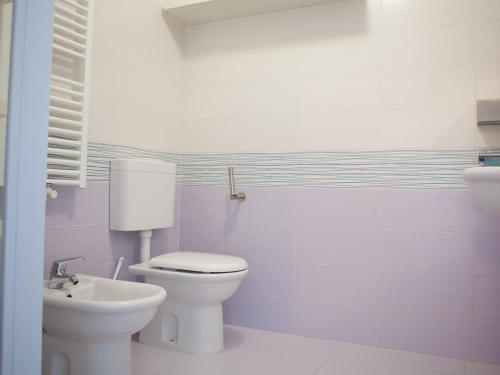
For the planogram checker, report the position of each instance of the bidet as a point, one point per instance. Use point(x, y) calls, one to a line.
point(88, 326)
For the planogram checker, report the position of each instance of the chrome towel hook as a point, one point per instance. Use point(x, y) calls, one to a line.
point(232, 187)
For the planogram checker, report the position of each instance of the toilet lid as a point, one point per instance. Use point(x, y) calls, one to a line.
point(199, 262)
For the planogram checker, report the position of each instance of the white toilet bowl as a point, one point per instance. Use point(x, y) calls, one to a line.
point(190, 319)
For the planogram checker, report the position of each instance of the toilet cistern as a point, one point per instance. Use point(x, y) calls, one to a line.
point(142, 198)
point(58, 276)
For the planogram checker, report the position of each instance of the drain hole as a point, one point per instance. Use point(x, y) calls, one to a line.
point(69, 296)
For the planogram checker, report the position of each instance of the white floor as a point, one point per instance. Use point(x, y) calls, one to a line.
point(253, 352)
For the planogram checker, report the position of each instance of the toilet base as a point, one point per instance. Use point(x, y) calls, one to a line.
point(62, 356)
point(190, 328)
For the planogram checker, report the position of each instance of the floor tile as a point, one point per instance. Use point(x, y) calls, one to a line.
point(474, 368)
point(148, 360)
point(360, 360)
point(255, 352)
point(241, 347)
point(287, 361)
point(429, 363)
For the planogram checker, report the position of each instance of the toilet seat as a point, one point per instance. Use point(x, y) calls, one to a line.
point(196, 262)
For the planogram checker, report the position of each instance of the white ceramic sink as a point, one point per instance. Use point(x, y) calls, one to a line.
point(88, 326)
point(485, 185)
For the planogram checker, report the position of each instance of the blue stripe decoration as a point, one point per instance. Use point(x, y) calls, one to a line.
point(380, 168)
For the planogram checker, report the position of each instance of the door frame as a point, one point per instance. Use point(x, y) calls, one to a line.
point(21, 263)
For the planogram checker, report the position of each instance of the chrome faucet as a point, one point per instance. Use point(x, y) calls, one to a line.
point(58, 275)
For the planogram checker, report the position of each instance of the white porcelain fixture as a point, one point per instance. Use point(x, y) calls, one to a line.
point(485, 185)
point(88, 326)
point(190, 320)
point(142, 197)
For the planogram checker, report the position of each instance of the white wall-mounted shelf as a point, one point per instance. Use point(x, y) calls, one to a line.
point(195, 12)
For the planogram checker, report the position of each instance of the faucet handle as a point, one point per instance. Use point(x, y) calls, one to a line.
point(59, 265)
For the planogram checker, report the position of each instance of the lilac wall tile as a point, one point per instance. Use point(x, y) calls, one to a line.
point(351, 324)
point(95, 242)
point(338, 227)
point(107, 270)
point(264, 205)
point(488, 254)
point(178, 199)
point(427, 251)
point(341, 207)
point(427, 293)
point(339, 246)
point(79, 206)
point(265, 241)
point(486, 342)
point(487, 298)
point(446, 336)
point(165, 240)
point(269, 278)
point(341, 285)
point(101, 270)
point(432, 209)
point(258, 311)
point(487, 223)
point(201, 236)
point(203, 203)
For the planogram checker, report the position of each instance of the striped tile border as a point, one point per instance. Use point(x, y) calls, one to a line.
point(384, 168)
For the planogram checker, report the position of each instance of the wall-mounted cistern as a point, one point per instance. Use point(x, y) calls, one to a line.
point(232, 187)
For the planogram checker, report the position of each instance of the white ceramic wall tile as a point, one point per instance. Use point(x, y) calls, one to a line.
point(341, 92)
point(331, 68)
point(488, 80)
point(237, 134)
point(135, 99)
point(250, 99)
point(430, 46)
point(436, 86)
point(247, 65)
point(399, 14)
point(438, 127)
point(342, 54)
point(308, 79)
point(488, 41)
point(487, 9)
point(337, 130)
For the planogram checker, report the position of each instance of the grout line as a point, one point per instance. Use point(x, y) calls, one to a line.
point(105, 224)
point(375, 108)
point(378, 281)
point(337, 226)
point(295, 269)
point(476, 206)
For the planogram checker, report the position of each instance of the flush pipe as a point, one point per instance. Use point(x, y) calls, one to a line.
point(145, 236)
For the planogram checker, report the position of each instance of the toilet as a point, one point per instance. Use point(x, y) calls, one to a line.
point(142, 198)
